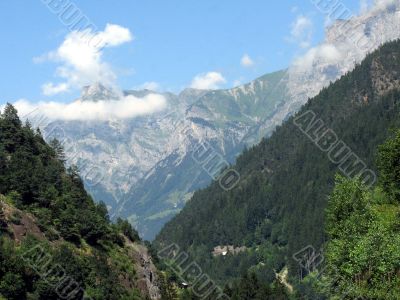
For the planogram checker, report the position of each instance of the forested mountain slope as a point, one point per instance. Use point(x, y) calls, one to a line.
point(55, 242)
point(278, 206)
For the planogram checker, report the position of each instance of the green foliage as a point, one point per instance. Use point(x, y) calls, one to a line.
point(389, 166)
point(349, 210)
point(126, 228)
point(312, 287)
point(363, 251)
point(68, 227)
point(93, 226)
point(14, 198)
point(58, 149)
point(250, 288)
point(12, 286)
point(168, 291)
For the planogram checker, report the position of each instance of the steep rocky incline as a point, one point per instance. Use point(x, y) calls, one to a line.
point(20, 225)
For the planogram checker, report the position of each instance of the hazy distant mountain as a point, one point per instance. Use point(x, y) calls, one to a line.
point(144, 165)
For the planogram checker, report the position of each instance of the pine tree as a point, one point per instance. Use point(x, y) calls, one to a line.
point(10, 115)
point(58, 149)
point(167, 289)
point(3, 222)
point(389, 165)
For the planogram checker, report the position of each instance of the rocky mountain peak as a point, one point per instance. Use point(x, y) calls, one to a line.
point(98, 92)
point(190, 95)
point(381, 14)
point(347, 43)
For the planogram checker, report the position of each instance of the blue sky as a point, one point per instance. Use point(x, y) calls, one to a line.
point(171, 42)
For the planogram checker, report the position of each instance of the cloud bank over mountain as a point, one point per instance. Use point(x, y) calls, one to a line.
point(124, 108)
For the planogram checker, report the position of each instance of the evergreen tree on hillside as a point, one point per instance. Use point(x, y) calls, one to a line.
point(249, 287)
point(10, 125)
point(10, 115)
point(59, 149)
point(389, 166)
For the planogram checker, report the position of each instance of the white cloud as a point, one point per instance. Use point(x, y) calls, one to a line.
point(301, 31)
point(113, 35)
point(80, 58)
point(376, 5)
point(326, 53)
point(208, 81)
point(353, 46)
point(246, 61)
point(383, 4)
point(50, 89)
point(126, 107)
point(150, 85)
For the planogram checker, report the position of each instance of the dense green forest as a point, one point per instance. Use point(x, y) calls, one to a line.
point(54, 240)
point(278, 207)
